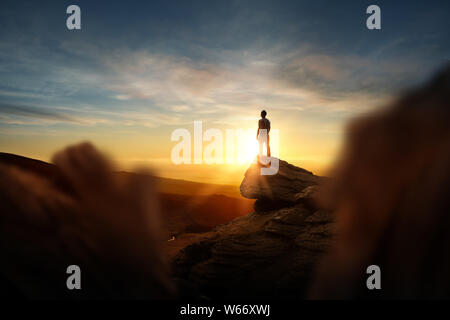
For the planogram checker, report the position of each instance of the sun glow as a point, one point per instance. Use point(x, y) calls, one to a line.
point(215, 146)
point(247, 150)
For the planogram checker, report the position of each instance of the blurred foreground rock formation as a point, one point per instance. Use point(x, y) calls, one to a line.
point(391, 198)
point(79, 213)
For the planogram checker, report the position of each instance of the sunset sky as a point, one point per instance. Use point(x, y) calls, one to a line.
point(137, 70)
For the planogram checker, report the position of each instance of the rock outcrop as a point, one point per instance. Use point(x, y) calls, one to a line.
point(270, 253)
point(283, 186)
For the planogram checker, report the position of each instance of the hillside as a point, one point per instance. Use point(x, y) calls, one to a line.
point(187, 207)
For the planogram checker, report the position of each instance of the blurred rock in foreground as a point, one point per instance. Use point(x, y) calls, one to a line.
point(79, 214)
point(391, 197)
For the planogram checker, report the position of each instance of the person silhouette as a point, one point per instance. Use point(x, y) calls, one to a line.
point(262, 135)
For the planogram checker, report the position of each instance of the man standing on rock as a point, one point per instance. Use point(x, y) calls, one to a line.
point(262, 135)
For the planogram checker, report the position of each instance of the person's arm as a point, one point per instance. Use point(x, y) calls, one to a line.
point(257, 130)
point(268, 126)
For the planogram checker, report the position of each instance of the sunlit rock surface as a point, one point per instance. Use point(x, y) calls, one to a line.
point(282, 186)
point(270, 253)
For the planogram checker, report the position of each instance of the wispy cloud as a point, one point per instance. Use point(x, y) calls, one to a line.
point(298, 82)
point(218, 67)
point(147, 89)
point(23, 114)
point(33, 112)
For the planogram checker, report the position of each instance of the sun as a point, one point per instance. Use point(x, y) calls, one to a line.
point(247, 149)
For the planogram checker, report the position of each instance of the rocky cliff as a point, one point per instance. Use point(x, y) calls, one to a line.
point(269, 253)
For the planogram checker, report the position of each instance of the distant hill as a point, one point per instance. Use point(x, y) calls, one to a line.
point(176, 186)
point(36, 166)
point(165, 185)
point(187, 206)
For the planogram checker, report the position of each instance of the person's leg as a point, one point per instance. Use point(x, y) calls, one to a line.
point(261, 143)
point(268, 146)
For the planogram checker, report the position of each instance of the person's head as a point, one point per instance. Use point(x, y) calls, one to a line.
point(263, 114)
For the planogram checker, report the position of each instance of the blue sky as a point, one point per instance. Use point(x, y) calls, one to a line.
point(139, 69)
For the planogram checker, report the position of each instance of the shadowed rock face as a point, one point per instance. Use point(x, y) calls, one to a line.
point(283, 186)
point(270, 253)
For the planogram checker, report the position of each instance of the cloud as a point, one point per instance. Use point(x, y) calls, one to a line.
point(296, 78)
point(24, 114)
point(180, 108)
point(147, 89)
point(340, 76)
point(33, 112)
point(144, 76)
point(142, 87)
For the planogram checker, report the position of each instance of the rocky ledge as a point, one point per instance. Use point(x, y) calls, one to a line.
point(269, 253)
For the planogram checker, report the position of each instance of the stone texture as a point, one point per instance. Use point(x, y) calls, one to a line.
point(270, 253)
point(283, 186)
